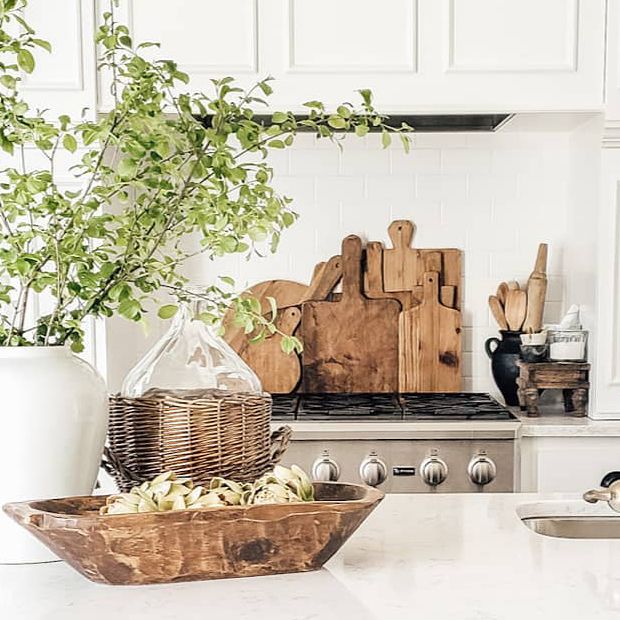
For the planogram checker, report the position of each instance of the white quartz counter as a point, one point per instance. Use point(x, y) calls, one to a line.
point(461, 557)
point(558, 425)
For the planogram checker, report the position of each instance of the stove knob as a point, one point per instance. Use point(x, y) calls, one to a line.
point(481, 470)
point(433, 471)
point(325, 469)
point(373, 471)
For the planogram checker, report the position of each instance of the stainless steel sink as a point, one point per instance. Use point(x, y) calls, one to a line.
point(578, 526)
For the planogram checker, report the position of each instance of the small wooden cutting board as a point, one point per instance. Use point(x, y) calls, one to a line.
point(400, 264)
point(430, 339)
point(350, 345)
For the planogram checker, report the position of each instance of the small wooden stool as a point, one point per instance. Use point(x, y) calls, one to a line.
point(570, 377)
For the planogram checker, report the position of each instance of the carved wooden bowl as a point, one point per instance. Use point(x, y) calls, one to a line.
point(188, 545)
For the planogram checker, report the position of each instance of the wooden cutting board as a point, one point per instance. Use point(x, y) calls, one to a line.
point(373, 277)
point(286, 293)
point(400, 263)
point(431, 344)
point(279, 372)
point(350, 345)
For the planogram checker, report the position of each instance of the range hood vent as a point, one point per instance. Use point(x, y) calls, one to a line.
point(427, 123)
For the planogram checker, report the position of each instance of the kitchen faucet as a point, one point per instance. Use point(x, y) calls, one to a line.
point(609, 491)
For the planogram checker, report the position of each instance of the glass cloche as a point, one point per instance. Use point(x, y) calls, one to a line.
point(188, 358)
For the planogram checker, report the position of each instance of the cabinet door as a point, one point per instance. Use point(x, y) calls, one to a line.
point(566, 464)
point(433, 55)
point(64, 80)
point(416, 55)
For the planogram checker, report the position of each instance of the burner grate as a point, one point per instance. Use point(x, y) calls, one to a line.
point(389, 407)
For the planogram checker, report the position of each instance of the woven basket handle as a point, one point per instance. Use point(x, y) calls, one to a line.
point(112, 465)
point(280, 439)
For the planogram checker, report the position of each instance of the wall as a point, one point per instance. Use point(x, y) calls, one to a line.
point(495, 196)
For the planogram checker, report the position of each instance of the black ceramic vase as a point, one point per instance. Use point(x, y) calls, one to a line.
point(504, 354)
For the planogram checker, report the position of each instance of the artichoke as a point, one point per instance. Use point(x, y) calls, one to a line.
point(167, 492)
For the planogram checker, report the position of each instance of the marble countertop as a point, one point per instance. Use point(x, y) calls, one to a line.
point(461, 557)
point(559, 425)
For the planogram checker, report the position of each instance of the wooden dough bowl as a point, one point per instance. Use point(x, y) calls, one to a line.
point(189, 545)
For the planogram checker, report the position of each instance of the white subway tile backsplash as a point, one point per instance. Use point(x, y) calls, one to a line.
point(417, 160)
point(475, 161)
point(371, 161)
point(393, 190)
point(314, 162)
point(495, 196)
point(441, 186)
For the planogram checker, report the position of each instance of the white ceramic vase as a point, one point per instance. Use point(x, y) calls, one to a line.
point(53, 420)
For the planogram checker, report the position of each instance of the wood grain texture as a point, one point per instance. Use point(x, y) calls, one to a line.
point(279, 372)
point(350, 345)
point(502, 292)
point(497, 310)
point(287, 293)
point(515, 309)
point(191, 545)
point(400, 263)
point(537, 292)
point(373, 277)
point(430, 339)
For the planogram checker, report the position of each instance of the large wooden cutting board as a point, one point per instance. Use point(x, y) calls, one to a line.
point(350, 345)
point(279, 372)
point(430, 341)
point(286, 293)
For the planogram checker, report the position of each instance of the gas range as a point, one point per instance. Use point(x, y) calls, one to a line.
point(403, 443)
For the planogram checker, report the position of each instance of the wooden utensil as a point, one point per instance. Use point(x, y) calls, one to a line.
point(279, 372)
point(515, 309)
point(400, 262)
point(513, 285)
point(287, 293)
point(498, 312)
point(431, 355)
point(350, 345)
point(536, 292)
point(502, 292)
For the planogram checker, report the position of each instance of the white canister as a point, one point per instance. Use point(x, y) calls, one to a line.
point(568, 345)
point(54, 419)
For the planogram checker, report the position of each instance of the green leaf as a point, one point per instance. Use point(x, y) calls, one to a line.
point(336, 122)
point(276, 144)
point(167, 311)
point(366, 96)
point(279, 117)
point(130, 309)
point(8, 81)
point(25, 60)
point(127, 168)
point(46, 45)
point(69, 142)
point(227, 280)
point(273, 307)
point(386, 139)
point(361, 130)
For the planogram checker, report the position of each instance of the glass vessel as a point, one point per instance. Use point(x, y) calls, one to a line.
point(190, 357)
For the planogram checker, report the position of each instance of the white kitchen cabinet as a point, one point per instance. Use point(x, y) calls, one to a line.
point(64, 81)
point(416, 55)
point(567, 463)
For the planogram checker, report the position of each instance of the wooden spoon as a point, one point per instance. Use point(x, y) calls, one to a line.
point(515, 309)
point(498, 312)
point(502, 291)
point(513, 285)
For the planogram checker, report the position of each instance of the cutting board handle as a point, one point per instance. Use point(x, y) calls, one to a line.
point(401, 233)
point(431, 288)
point(351, 267)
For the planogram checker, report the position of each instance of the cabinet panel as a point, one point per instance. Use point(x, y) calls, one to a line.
point(63, 81)
point(368, 42)
point(503, 35)
point(219, 36)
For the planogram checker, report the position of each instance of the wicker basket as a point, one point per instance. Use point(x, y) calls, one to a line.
point(198, 434)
